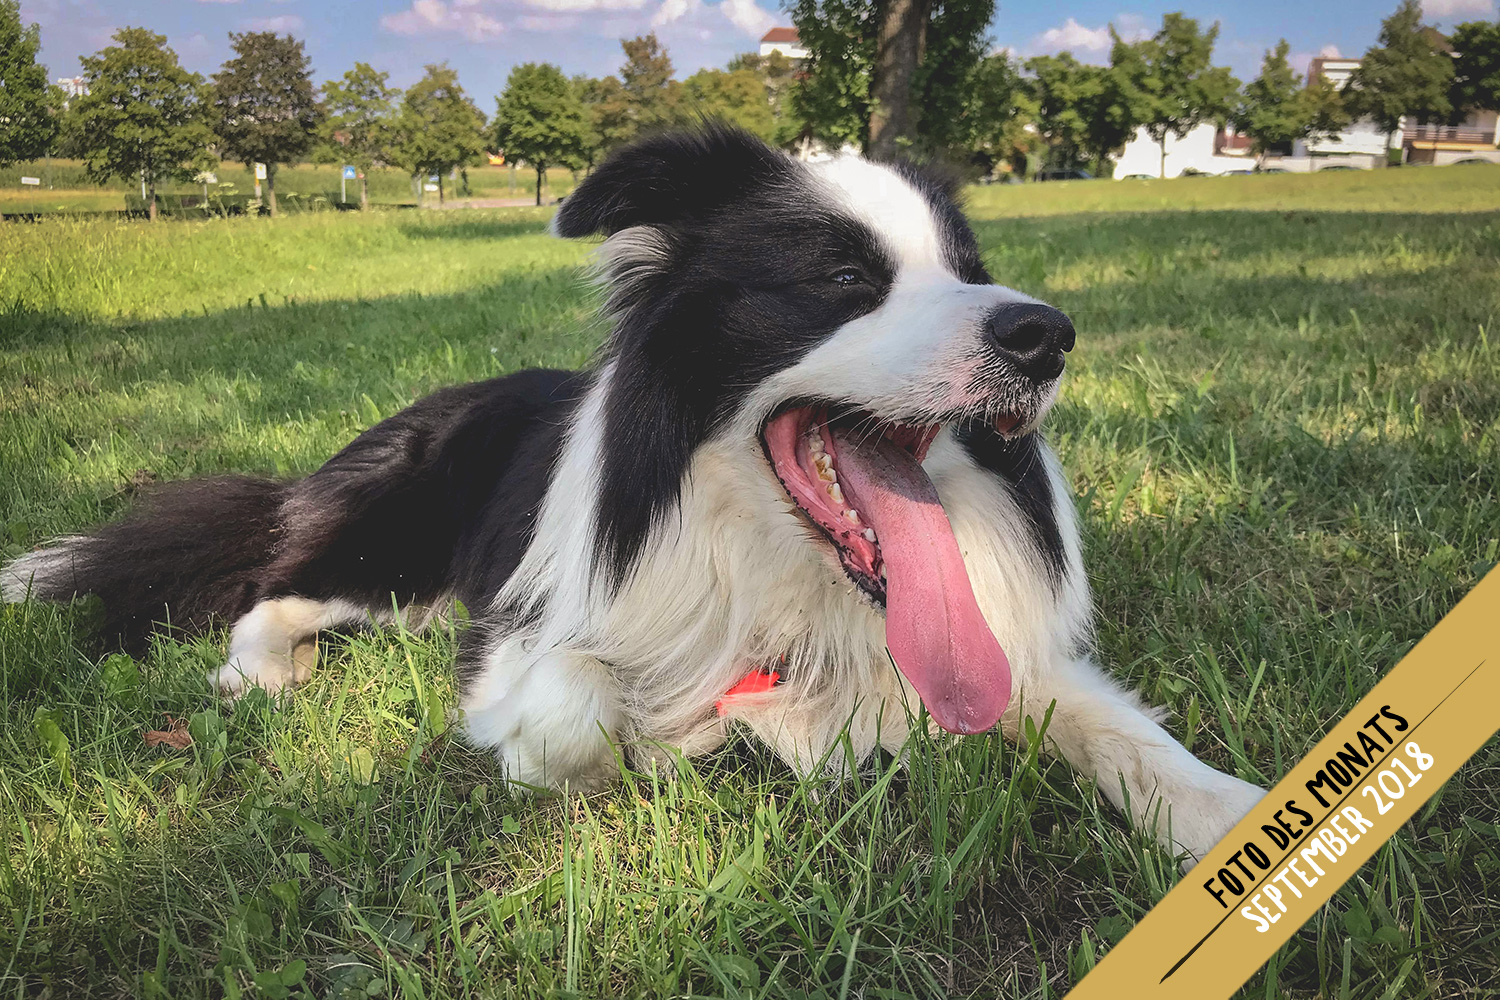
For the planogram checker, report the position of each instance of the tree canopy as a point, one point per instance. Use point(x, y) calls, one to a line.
point(541, 120)
point(1405, 74)
point(1172, 84)
point(835, 99)
point(27, 104)
point(144, 115)
point(438, 127)
point(1476, 67)
point(739, 96)
point(266, 108)
point(358, 127)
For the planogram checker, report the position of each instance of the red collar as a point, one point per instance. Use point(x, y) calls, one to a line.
point(755, 682)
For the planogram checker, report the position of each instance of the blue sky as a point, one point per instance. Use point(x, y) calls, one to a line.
point(483, 39)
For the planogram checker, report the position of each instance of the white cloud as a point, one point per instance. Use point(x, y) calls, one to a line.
point(545, 22)
point(1330, 52)
point(579, 6)
point(1073, 37)
point(749, 17)
point(1445, 9)
point(280, 23)
point(431, 17)
point(674, 10)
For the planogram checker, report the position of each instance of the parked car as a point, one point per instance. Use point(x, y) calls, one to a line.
point(1064, 175)
point(1139, 177)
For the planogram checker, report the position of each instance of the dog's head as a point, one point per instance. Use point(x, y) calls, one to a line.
point(838, 315)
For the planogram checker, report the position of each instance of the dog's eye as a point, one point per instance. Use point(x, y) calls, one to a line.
point(847, 276)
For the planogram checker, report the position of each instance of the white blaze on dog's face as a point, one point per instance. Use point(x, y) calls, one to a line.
point(840, 315)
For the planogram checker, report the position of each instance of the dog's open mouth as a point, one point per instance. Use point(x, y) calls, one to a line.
point(860, 482)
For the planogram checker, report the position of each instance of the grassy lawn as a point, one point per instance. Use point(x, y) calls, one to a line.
point(1283, 420)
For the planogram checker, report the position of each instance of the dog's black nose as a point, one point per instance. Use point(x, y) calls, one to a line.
point(1032, 337)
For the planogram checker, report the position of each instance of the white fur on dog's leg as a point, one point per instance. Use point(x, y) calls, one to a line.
point(1105, 732)
point(275, 645)
point(550, 717)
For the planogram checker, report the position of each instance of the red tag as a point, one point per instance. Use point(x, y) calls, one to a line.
point(755, 682)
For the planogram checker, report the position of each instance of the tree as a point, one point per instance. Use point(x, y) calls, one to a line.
point(143, 116)
point(880, 76)
point(1060, 86)
point(946, 76)
point(27, 122)
point(652, 97)
point(739, 96)
point(1476, 67)
point(540, 119)
point(900, 40)
point(1276, 110)
point(267, 111)
point(438, 127)
point(608, 110)
point(1173, 85)
point(779, 75)
point(1000, 114)
point(1270, 110)
point(360, 110)
point(833, 97)
point(1406, 74)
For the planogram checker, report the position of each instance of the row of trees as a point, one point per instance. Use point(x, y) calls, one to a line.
point(959, 102)
point(145, 116)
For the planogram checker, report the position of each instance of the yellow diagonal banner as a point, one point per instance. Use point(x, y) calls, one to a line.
point(1321, 822)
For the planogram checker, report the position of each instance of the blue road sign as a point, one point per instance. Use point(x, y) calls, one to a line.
point(349, 173)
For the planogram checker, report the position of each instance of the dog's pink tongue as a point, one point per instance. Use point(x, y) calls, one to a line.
point(933, 627)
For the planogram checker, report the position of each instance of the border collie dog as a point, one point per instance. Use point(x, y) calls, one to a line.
point(810, 444)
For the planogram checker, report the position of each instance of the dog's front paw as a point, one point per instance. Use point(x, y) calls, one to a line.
point(266, 670)
point(1202, 819)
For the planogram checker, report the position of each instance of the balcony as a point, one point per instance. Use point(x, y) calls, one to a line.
point(1450, 136)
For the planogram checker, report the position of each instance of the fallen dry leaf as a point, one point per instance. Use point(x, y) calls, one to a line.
point(175, 735)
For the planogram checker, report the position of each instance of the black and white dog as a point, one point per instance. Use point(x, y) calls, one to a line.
point(810, 443)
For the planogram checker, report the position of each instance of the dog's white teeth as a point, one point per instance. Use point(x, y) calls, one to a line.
point(815, 443)
point(852, 515)
point(882, 571)
point(869, 534)
point(835, 493)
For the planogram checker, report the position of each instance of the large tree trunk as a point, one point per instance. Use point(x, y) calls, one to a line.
point(1162, 172)
point(151, 201)
point(541, 182)
point(440, 189)
point(364, 193)
point(271, 187)
point(900, 41)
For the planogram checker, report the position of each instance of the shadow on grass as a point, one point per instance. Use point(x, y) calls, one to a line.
point(486, 224)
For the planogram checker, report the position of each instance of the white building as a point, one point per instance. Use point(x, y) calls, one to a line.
point(1362, 144)
point(784, 41)
point(1204, 150)
point(73, 86)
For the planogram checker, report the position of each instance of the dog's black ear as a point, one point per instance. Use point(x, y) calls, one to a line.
point(668, 177)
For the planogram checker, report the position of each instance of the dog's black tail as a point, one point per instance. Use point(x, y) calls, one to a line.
point(189, 554)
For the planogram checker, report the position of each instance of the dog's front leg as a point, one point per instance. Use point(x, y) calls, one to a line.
point(550, 716)
point(1106, 733)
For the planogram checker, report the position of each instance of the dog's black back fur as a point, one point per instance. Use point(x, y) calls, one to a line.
point(437, 500)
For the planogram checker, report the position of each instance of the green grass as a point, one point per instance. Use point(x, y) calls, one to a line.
point(65, 186)
point(1283, 419)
